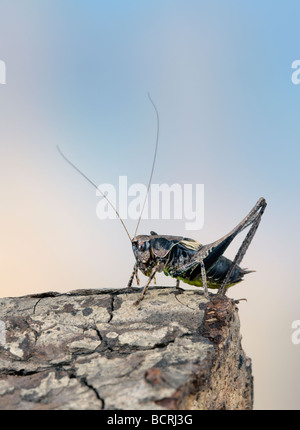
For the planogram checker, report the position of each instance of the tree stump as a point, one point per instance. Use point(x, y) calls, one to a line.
point(93, 349)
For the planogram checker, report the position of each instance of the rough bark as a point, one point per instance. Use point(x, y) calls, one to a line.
point(93, 349)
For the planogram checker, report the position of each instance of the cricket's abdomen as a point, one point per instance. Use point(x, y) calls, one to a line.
point(190, 273)
point(217, 274)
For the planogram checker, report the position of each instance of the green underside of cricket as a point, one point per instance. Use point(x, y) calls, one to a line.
point(199, 283)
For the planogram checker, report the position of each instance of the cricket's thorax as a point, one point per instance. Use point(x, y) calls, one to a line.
point(156, 251)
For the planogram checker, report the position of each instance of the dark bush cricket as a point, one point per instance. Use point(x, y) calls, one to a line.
point(186, 259)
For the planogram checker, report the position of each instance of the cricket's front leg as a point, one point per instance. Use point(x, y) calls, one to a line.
point(154, 270)
point(134, 274)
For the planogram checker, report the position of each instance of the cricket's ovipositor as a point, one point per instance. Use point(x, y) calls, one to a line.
point(183, 258)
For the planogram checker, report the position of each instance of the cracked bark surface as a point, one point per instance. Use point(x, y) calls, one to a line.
point(93, 349)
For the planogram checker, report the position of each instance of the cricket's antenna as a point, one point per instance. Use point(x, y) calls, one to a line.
point(91, 182)
point(153, 164)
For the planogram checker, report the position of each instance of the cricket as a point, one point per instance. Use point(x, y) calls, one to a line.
point(182, 258)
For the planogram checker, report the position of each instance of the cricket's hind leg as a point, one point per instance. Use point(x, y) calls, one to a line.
point(256, 215)
point(204, 278)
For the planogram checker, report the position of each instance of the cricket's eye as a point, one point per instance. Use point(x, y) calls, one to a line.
point(143, 246)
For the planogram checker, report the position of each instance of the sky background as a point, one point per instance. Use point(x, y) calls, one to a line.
point(77, 76)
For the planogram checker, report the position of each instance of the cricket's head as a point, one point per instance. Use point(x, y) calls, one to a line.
point(141, 248)
point(144, 253)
